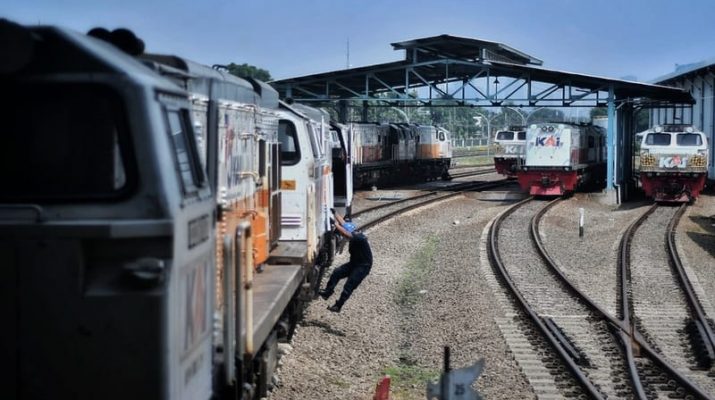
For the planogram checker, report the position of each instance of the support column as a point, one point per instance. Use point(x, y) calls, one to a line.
point(343, 111)
point(364, 111)
point(611, 185)
point(626, 122)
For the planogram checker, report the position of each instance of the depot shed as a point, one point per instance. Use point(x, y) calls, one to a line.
point(699, 79)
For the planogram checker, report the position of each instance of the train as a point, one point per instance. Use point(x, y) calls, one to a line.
point(673, 162)
point(389, 153)
point(163, 223)
point(561, 158)
point(509, 145)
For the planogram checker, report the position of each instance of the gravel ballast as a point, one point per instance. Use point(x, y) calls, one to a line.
point(426, 291)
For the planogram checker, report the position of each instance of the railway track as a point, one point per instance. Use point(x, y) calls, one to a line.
point(567, 344)
point(382, 212)
point(662, 303)
point(474, 173)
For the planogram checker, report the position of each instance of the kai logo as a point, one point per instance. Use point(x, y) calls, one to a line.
point(511, 149)
point(547, 141)
point(673, 162)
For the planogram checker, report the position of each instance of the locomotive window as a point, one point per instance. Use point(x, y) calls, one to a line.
point(64, 142)
point(179, 125)
point(262, 164)
point(658, 139)
point(505, 135)
point(689, 139)
point(314, 142)
point(288, 138)
point(591, 142)
point(521, 135)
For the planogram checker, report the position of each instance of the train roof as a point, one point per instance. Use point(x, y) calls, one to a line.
point(37, 50)
point(672, 128)
point(313, 113)
point(225, 85)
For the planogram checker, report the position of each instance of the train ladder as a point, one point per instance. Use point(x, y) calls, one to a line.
point(382, 389)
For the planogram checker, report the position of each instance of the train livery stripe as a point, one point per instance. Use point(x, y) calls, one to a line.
point(288, 184)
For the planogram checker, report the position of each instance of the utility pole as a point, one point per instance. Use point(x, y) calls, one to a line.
point(347, 62)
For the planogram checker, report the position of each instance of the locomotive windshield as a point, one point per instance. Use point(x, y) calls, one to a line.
point(689, 139)
point(658, 139)
point(521, 135)
point(63, 142)
point(505, 135)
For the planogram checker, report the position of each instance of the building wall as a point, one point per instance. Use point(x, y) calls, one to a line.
point(701, 85)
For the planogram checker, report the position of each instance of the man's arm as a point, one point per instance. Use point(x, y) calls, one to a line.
point(338, 218)
point(339, 225)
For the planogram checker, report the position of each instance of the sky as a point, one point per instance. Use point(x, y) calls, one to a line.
point(640, 39)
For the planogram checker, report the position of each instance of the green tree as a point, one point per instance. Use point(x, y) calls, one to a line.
point(249, 71)
point(599, 112)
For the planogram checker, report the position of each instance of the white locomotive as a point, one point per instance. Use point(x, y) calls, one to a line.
point(509, 150)
point(562, 157)
point(673, 162)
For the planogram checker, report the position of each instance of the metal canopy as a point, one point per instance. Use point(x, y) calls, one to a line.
point(466, 49)
point(470, 72)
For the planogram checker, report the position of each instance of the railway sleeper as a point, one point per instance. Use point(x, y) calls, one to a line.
point(566, 343)
point(701, 346)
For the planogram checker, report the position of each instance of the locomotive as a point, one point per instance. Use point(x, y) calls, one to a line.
point(673, 162)
point(509, 150)
point(562, 157)
point(399, 152)
point(149, 236)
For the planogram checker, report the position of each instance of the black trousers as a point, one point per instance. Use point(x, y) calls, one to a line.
point(355, 275)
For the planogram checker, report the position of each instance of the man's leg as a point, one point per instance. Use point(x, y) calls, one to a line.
point(339, 273)
point(356, 277)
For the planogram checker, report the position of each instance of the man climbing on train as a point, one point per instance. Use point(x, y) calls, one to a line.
point(355, 270)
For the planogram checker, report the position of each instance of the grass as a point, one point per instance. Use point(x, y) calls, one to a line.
point(339, 383)
point(416, 273)
point(404, 377)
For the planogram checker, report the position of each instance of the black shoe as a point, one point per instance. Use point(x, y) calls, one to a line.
point(334, 308)
point(324, 294)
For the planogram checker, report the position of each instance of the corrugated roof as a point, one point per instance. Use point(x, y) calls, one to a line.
point(467, 49)
point(685, 69)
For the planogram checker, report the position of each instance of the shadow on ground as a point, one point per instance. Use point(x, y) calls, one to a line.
point(324, 326)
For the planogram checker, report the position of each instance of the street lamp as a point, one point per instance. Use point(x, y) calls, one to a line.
point(489, 128)
point(531, 114)
point(404, 115)
point(523, 120)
